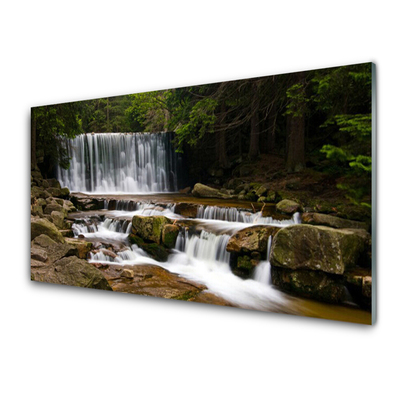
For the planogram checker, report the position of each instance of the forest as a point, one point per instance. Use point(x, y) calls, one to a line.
point(317, 120)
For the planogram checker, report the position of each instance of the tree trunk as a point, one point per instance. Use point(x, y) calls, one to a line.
point(222, 154)
point(271, 130)
point(33, 139)
point(255, 123)
point(295, 161)
point(295, 132)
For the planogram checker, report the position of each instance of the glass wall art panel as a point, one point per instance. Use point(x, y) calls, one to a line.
point(257, 193)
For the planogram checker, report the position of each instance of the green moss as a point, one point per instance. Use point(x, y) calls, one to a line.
point(169, 235)
point(186, 296)
point(244, 262)
point(159, 253)
point(134, 239)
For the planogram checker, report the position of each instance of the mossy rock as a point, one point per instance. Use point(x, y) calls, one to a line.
point(156, 251)
point(64, 192)
point(288, 206)
point(332, 221)
point(54, 183)
point(149, 228)
point(134, 239)
point(82, 247)
point(169, 235)
point(261, 190)
point(315, 285)
point(72, 271)
point(41, 226)
point(317, 248)
point(251, 239)
point(57, 218)
point(245, 262)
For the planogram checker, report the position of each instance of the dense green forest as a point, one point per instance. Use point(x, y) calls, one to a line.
point(316, 120)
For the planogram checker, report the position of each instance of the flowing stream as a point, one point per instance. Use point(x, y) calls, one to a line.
point(145, 163)
point(200, 256)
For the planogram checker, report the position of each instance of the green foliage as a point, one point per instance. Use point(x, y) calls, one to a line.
point(344, 95)
point(53, 125)
point(297, 100)
point(201, 120)
point(149, 110)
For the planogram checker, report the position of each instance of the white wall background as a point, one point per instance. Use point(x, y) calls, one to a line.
point(69, 343)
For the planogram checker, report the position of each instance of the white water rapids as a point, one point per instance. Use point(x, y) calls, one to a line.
point(199, 257)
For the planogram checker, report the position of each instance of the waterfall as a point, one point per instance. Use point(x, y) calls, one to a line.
point(121, 162)
point(262, 272)
point(208, 247)
point(232, 214)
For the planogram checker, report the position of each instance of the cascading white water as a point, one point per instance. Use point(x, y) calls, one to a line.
point(262, 272)
point(207, 247)
point(121, 162)
point(232, 214)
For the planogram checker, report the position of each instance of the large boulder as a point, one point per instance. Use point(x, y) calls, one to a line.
point(58, 219)
point(310, 284)
point(316, 248)
point(54, 206)
point(332, 221)
point(261, 191)
point(149, 228)
point(82, 246)
point(54, 183)
point(201, 190)
point(41, 226)
point(288, 206)
point(254, 238)
point(54, 251)
point(71, 271)
point(186, 210)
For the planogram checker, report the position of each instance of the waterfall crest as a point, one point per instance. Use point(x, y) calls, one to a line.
point(121, 162)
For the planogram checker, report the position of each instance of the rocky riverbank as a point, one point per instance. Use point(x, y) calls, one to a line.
point(316, 255)
point(57, 257)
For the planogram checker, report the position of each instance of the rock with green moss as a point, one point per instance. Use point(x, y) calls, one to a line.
point(64, 192)
point(54, 183)
point(245, 262)
point(272, 197)
point(332, 221)
point(83, 247)
point(57, 218)
point(149, 227)
point(288, 206)
point(135, 239)
point(201, 190)
point(36, 210)
point(252, 239)
point(316, 285)
point(156, 251)
point(316, 248)
point(38, 192)
point(71, 271)
point(169, 235)
point(261, 191)
point(41, 226)
point(54, 206)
